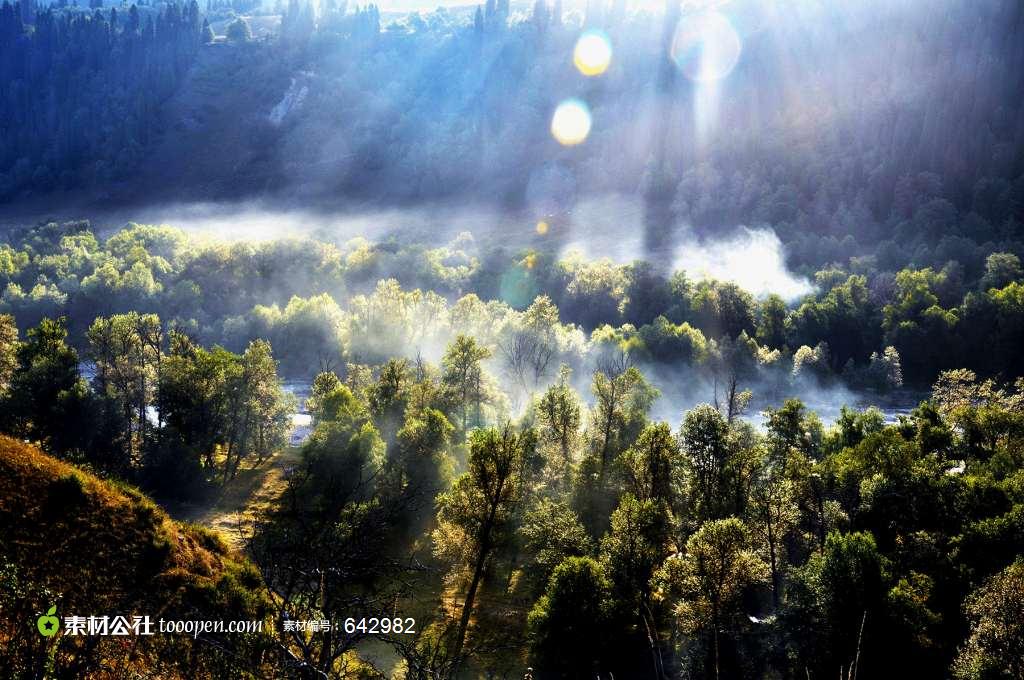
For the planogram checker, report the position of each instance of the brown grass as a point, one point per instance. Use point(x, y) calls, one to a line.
point(102, 548)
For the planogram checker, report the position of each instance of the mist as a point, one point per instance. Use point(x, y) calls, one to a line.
point(753, 259)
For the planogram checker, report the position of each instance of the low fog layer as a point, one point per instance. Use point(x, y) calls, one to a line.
point(608, 227)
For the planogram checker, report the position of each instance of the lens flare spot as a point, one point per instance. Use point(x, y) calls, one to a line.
point(542, 227)
point(593, 53)
point(705, 46)
point(571, 123)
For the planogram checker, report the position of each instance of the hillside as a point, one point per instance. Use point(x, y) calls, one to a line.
point(217, 136)
point(93, 548)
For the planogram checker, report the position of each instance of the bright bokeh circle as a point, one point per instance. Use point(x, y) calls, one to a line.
point(705, 46)
point(593, 53)
point(571, 123)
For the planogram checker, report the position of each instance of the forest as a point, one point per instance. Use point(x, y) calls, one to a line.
point(313, 312)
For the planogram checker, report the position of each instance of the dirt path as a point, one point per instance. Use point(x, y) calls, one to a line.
point(252, 490)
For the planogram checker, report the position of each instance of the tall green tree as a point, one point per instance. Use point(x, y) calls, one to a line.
point(569, 625)
point(474, 515)
point(718, 566)
point(126, 350)
point(463, 379)
point(47, 401)
point(707, 454)
point(649, 465)
point(8, 352)
point(558, 415)
point(995, 646)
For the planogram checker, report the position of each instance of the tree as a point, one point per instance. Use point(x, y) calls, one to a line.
point(125, 349)
point(812, 364)
point(558, 414)
point(622, 398)
point(773, 514)
point(631, 551)
point(528, 354)
point(569, 624)
point(260, 409)
point(325, 550)
point(47, 400)
point(648, 465)
point(474, 514)
point(552, 532)
point(723, 309)
point(733, 361)
point(388, 397)
point(423, 460)
point(463, 379)
point(852, 573)
point(324, 384)
point(8, 352)
point(239, 31)
point(995, 646)
point(845, 318)
point(194, 393)
point(634, 547)
point(706, 453)
point(885, 370)
point(771, 323)
point(1001, 269)
point(717, 567)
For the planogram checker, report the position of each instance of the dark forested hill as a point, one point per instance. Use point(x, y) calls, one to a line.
point(877, 120)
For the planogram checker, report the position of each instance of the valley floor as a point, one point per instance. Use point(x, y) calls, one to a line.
point(234, 509)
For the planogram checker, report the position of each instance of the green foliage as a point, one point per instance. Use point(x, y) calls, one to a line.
point(707, 455)
point(995, 648)
point(633, 548)
point(650, 463)
point(1001, 269)
point(937, 495)
point(716, 569)
point(551, 533)
point(668, 342)
point(836, 546)
point(723, 309)
point(559, 418)
point(463, 380)
point(296, 294)
point(8, 352)
point(47, 401)
point(570, 624)
point(845, 318)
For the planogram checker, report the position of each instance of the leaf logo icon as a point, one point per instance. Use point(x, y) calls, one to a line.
point(48, 624)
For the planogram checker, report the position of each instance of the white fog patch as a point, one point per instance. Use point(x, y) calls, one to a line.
point(752, 259)
point(611, 226)
point(260, 221)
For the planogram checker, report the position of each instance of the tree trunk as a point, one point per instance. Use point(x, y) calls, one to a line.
point(775, 567)
point(714, 620)
point(467, 606)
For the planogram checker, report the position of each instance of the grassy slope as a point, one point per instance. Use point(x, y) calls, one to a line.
point(92, 547)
